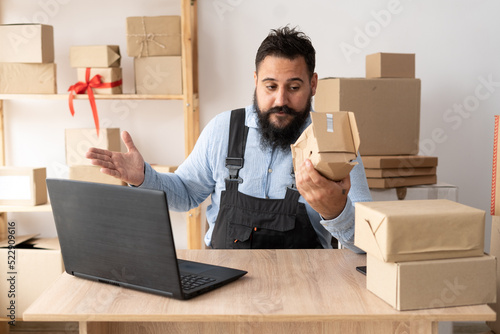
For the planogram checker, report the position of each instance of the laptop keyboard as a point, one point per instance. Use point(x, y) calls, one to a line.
point(192, 281)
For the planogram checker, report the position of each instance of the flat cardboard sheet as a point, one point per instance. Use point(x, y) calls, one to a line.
point(26, 43)
point(331, 142)
point(404, 162)
point(433, 283)
point(94, 56)
point(397, 182)
point(399, 172)
point(387, 111)
point(397, 231)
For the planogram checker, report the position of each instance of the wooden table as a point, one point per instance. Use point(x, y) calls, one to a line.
point(285, 291)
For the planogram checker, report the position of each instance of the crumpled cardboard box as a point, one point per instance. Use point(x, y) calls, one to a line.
point(331, 142)
point(397, 231)
point(94, 56)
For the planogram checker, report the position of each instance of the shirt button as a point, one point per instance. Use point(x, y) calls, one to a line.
point(269, 170)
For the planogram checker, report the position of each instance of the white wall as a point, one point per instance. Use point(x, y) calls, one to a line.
point(455, 41)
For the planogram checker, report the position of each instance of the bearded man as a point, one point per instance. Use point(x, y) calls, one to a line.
point(243, 161)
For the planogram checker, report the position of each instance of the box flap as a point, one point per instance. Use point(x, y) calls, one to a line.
point(334, 132)
point(19, 240)
point(45, 243)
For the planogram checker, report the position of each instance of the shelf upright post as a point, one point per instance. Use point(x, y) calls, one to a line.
point(191, 103)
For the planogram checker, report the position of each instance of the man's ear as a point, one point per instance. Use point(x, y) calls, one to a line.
point(255, 78)
point(314, 83)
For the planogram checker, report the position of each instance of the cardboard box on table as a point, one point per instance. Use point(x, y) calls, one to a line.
point(25, 78)
point(387, 111)
point(398, 231)
point(94, 56)
point(433, 283)
point(108, 75)
point(397, 182)
point(23, 186)
point(390, 65)
point(158, 75)
point(78, 142)
point(92, 174)
point(149, 36)
point(331, 142)
point(38, 263)
point(164, 168)
point(26, 43)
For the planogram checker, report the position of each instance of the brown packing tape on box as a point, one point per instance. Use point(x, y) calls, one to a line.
point(330, 142)
point(158, 75)
point(149, 36)
point(23, 186)
point(390, 65)
point(495, 251)
point(397, 231)
point(17, 78)
point(26, 43)
point(397, 182)
point(387, 111)
point(433, 283)
point(94, 56)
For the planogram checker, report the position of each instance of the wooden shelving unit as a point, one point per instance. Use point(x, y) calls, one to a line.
point(190, 98)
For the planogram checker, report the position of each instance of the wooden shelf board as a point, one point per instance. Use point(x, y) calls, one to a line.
point(85, 97)
point(26, 208)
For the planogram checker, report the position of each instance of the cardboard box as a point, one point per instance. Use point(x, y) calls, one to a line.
point(397, 231)
point(396, 182)
point(92, 174)
point(399, 172)
point(433, 283)
point(26, 43)
point(495, 251)
point(164, 168)
point(387, 111)
point(78, 142)
point(94, 56)
point(38, 263)
point(108, 74)
point(17, 78)
point(404, 162)
point(390, 65)
point(158, 75)
point(331, 142)
point(149, 36)
point(440, 190)
point(23, 186)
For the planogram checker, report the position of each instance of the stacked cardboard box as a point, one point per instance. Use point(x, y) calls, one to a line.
point(27, 59)
point(425, 253)
point(78, 141)
point(387, 108)
point(98, 60)
point(155, 44)
point(23, 186)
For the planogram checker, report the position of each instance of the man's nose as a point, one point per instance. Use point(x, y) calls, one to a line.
point(281, 97)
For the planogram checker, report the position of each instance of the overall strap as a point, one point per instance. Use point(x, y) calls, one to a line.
point(238, 133)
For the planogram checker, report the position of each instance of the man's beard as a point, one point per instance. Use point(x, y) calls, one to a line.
point(281, 138)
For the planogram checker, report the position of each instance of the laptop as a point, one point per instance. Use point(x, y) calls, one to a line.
point(123, 236)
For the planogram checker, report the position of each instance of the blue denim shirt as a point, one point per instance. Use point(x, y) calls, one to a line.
point(266, 174)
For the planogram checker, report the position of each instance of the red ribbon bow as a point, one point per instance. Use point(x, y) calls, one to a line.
point(87, 86)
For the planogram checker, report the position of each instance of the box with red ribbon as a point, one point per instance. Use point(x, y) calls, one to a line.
point(149, 36)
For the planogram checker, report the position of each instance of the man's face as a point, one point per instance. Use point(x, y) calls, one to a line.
point(283, 93)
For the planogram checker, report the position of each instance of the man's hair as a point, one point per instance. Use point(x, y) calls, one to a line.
point(287, 43)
